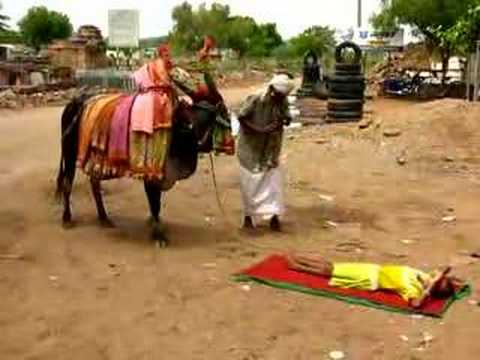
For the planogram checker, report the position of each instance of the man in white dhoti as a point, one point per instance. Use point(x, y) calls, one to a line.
point(262, 118)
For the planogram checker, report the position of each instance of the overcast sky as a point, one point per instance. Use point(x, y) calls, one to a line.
point(291, 16)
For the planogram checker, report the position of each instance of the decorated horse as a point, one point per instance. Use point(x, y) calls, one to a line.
point(153, 134)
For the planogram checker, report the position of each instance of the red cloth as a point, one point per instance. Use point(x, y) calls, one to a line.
point(118, 154)
point(275, 269)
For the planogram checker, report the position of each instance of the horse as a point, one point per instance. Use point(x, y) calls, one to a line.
point(192, 133)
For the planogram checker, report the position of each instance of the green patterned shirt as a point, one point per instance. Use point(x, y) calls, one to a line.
point(259, 151)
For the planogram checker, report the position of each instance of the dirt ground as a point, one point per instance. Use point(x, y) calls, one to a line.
point(91, 293)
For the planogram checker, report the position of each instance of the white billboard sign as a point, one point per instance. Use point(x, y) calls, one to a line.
point(123, 28)
point(371, 39)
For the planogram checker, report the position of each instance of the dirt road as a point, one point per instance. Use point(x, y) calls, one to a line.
point(91, 293)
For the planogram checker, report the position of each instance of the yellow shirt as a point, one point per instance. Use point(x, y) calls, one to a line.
point(404, 280)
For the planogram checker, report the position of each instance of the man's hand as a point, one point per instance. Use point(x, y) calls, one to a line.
point(417, 303)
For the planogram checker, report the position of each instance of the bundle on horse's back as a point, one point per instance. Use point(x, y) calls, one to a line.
point(149, 135)
point(94, 134)
point(119, 133)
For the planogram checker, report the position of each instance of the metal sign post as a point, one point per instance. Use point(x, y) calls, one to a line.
point(476, 80)
point(468, 76)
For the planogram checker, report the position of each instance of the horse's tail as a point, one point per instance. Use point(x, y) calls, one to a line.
point(69, 143)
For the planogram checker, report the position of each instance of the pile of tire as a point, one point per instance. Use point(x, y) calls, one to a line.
point(346, 88)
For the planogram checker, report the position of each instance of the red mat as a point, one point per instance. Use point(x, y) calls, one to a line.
point(274, 271)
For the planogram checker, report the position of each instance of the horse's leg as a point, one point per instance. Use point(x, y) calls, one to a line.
point(66, 188)
point(67, 212)
point(154, 196)
point(97, 194)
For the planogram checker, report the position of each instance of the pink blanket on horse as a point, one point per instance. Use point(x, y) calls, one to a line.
point(118, 152)
point(153, 108)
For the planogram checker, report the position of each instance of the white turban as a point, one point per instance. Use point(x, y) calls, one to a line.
point(282, 84)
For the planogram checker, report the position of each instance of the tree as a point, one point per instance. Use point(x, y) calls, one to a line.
point(426, 16)
point(3, 20)
point(191, 26)
point(40, 26)
point(465, 32)
point(240, 33)
point(265, 39)
point(321, 39)
point(248, 38)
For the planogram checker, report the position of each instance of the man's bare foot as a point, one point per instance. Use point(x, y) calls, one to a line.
point(248, 223)
point(275, 224)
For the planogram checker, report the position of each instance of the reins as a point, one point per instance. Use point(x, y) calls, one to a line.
point(231, 227)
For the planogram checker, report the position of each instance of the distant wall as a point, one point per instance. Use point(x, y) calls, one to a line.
point(66, 54)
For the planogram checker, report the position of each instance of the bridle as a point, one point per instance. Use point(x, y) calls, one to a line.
point(216, 110)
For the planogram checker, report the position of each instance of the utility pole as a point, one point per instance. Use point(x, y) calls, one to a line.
point(476, 72)
point(359, 14)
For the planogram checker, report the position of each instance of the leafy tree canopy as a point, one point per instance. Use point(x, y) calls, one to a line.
point(40, 26)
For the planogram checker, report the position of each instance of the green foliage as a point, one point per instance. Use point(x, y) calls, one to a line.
point(3, 22)
point(430, 18)
point(244, 35)
point(40, 26)
point(465, 32)
point(385, 21)
point(10, 37)
point(152, 42)
point(191, 26)
point(239, 33)
point(264, 40)
point(321, 39)
point(424, 15)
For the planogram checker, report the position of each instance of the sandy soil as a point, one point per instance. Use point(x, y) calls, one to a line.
point(91, 293)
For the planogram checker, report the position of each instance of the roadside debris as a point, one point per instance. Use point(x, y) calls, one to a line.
point(326, 198)
point(321, 141)
point(392, 132)
point(246, 288)
point(9, 99)
point(401, 160)
point(449, 219)
point(330, 224)
point(337, 355)
point(210, 266)
point(365, 123)
point(425, 342)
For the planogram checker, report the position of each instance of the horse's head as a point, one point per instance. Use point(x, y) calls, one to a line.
point(210, 121)
point(212, 127)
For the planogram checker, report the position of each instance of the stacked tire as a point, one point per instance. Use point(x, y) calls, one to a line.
point(347, 86)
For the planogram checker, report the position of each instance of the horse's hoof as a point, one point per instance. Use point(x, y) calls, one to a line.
point(68, 224)
point(162, 244)
point(107, 223)
point(159, 237)
point(275, 224)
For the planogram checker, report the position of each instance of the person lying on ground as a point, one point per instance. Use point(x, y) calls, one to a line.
point(413, 285)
